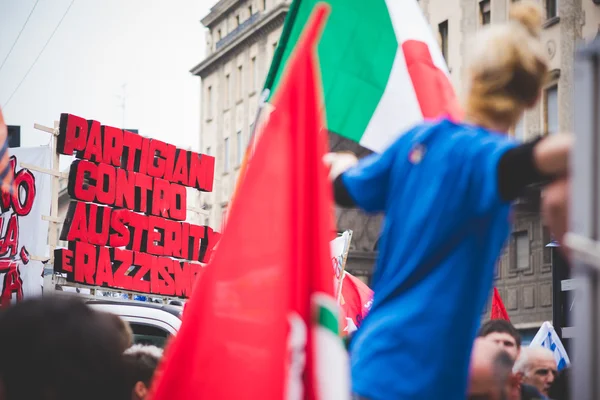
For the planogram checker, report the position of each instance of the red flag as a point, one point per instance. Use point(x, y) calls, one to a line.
point(356, 301)
point(498, 310)
point(273, 255)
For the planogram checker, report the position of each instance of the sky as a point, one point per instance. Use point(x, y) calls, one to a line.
point(104, 54)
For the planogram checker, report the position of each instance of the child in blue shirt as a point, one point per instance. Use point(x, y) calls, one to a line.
point(445, 189)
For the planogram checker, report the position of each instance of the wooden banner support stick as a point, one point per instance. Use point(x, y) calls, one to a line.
point(344, 259)
point(53, 218)
point(55, 187)
point(41, 170)
point(47, 129)
point(38, 258)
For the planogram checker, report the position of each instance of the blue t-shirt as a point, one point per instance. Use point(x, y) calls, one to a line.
point(444, 228)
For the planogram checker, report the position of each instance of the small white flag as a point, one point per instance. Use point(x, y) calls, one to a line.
point(548, 338)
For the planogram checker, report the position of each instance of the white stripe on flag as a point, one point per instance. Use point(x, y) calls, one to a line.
point(398, 108)
point(410, 24)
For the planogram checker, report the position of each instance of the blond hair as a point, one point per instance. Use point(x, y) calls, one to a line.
point(507, 68)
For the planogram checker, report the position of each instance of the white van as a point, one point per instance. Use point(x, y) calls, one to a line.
point(151, 323)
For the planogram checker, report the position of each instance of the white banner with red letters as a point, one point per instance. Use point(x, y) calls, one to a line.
point(23, 233)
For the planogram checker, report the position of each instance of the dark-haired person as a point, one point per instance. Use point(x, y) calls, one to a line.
point(141, 362)
point(59, 348)
point(446, 189)
point(506, 336)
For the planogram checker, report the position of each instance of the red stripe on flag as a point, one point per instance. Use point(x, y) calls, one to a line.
point(433, 88)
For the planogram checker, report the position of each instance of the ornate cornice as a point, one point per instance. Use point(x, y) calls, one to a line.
point(267, 23)
point(218, 11)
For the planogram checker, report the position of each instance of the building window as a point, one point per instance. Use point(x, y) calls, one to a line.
point(240, 82)
point(521, 250)
point(250, 11)
point(485, 12)
point(443, 31)
point(208, 150)
point(520, 130)
point(264, 5)
point(551, 9)
point(226, 155)
point(227, 89)
point(219, 35)
point(240, 148)
point(209, 102)
point(254, 72)
point(551, 109)
point(237, 20)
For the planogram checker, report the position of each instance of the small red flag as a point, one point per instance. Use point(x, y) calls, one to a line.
point(257, 296)
point(498, 310)
point(356, 301)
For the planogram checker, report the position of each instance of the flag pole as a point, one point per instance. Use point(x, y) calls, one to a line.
point(283, 41)
point(270, 79)
point(346, 251)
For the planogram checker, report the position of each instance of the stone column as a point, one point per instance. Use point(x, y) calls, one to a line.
point(571, 24)
point(468, 27)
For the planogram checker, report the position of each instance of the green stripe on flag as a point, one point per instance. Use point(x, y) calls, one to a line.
point(326, 310)
point(356, 55)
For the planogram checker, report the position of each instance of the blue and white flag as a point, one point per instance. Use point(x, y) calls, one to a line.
point(547, 337)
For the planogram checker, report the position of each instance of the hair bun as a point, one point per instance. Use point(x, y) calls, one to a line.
point(528, 14)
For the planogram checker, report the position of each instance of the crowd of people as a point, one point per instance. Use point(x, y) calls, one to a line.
point(522, 373)
point(58, 348)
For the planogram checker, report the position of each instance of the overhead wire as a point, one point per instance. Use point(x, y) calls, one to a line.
point(39, 54)
point(19, 35)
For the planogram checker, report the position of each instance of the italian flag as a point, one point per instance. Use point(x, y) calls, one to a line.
point(381, 67)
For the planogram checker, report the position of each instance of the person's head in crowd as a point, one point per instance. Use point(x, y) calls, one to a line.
point(56, 347)
point(504, 334)
point(141, 362)
point(506, 69)
point(538, 368)
point(490, 372)
point(124, 330)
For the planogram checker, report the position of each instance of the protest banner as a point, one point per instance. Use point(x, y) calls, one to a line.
point(126, 226)
point(23, 232)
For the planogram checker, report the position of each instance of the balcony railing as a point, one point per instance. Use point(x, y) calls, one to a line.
point(237, 31)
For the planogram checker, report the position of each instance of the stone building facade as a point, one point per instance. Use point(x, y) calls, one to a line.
point(241, 38)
